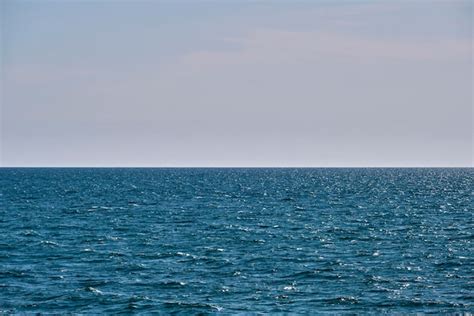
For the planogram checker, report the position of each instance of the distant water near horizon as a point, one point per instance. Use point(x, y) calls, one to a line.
point(196, 240)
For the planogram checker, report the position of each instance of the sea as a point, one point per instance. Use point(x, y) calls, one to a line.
point(244, 241)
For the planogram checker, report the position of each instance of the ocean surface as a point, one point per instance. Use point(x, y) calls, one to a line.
point(231, 241)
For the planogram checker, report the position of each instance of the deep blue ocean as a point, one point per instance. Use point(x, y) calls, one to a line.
point(236, 241)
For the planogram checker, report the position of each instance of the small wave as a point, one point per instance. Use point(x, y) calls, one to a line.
point(419, 303)
point(192, 306)
point(49, 243)
point(29, 232)
point(94, 290)
point(212, 249)
point(342, 300)
point(448, 264)
point(184, 254)
point(301, 275)
point(289, 288)
point(14, 274)
point(172, 284)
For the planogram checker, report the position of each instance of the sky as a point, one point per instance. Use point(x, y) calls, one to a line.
point(236, 83)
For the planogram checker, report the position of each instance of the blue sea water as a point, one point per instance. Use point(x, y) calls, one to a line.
point(236, 240)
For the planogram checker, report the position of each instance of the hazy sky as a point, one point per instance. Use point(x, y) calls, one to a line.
point(236, 83)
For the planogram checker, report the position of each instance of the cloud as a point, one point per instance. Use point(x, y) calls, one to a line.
point(283, 47)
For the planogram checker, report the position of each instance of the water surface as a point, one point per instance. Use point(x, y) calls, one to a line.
point(236, 240)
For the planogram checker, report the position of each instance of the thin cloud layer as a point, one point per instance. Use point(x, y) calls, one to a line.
point(275, 47)
point(306, 84)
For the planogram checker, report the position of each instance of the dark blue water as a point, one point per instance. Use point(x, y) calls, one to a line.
point(236, 240)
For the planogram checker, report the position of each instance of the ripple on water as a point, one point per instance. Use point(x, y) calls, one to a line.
point(190, 241)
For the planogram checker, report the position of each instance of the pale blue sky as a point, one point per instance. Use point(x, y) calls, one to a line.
point(236, 83)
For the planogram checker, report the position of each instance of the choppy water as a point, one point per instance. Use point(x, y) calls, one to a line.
point(236, 240)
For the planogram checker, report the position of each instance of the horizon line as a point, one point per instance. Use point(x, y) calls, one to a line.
point(236, 167)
